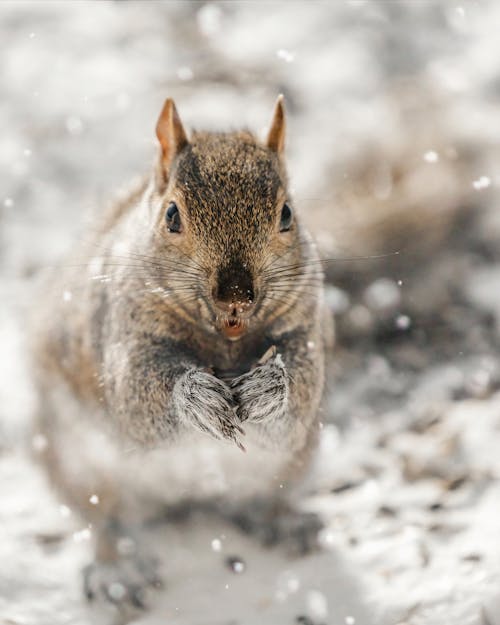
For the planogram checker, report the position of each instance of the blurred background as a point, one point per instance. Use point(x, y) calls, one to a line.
point(394, 128)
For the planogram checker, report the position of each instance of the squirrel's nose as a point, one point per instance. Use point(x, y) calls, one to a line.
point(234, 293)
point(234, 308)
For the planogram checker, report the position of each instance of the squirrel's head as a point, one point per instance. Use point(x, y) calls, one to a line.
point(224, 223)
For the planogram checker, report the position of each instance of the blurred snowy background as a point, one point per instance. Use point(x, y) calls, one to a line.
point(394, 130)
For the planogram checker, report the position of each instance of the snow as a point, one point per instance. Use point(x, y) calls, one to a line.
point(481, 183)
point(431, 156)
point(393, 119)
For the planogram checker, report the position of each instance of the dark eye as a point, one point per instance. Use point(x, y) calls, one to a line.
point(286, 218)
point(173, 218)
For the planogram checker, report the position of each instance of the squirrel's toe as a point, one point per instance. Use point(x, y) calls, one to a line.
point(124, 582)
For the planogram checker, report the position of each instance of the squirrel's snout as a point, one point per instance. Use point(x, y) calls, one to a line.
point(234, 293)
point(234, 308)
point(233, 317)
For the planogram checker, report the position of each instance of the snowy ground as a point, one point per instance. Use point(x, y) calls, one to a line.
point(394, 128)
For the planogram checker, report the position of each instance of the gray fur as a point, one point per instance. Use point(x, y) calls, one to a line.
point(152, 377)
point(203, 401)
point(262, 394)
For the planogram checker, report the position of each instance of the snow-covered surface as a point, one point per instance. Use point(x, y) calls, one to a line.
point(406, 476)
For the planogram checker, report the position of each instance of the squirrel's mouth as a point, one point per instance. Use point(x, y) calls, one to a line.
point(232, 318)
point(233, 327)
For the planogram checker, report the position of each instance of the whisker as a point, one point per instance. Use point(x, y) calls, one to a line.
point(162, 271)
point(303, 292)
point(267, 266)
point(286, 304)
point(338, 259)
point(146, 257)
point(293, 282)
point(298, 278)
point(145, 264)
point(292, 298)
point(163, 264)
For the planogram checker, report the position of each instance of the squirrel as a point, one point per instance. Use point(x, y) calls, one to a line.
point(187, 363)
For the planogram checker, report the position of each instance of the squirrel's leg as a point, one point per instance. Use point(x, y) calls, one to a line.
point(155, 393)
point(122, 570)
point(274, 522)
point(121, 573)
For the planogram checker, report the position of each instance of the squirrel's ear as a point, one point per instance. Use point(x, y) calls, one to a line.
point(171, 135)
point(276, 135)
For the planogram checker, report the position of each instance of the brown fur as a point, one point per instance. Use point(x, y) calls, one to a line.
point(140, 352)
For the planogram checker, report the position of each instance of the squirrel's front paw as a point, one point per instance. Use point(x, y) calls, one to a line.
point(262, 394)
point(207, 403)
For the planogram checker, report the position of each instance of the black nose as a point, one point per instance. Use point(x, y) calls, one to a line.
point(234, 291)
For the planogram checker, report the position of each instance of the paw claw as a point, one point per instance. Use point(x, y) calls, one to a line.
point(240, 446)
point(87, 584)
point(122, 583)
point(137, 597)
point(239, 429)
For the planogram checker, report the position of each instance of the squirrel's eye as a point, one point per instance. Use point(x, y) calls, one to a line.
point(286, 218)
point(173, 218)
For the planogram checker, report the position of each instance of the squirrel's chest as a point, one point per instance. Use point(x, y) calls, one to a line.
point(231, 360)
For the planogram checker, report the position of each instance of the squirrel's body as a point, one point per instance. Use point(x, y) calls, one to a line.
point(169, 341)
